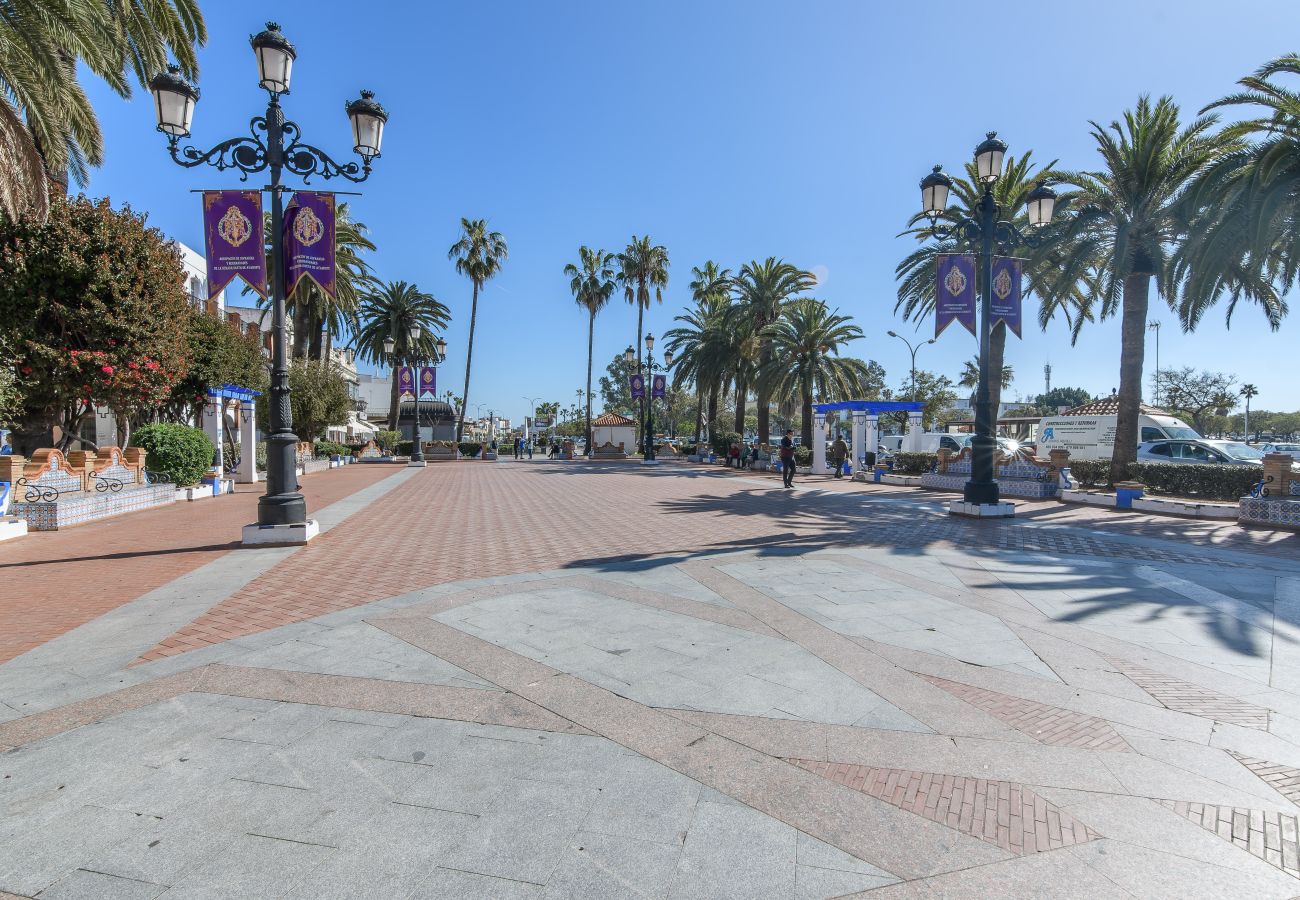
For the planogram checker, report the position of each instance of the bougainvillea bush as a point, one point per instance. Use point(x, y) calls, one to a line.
point(93, 301)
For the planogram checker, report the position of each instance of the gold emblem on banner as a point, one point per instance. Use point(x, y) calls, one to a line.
point(1002, 285)
point(307, 227)
point(955, 281)
point(234, 227)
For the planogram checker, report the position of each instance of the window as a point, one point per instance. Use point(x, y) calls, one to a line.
point(1160, 450)
point(1151, 434)
point(1195, 452)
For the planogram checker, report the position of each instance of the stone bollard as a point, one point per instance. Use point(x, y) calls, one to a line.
point(1128, 491)
point(11, 469)
point(945, 456)
point(1278, 474)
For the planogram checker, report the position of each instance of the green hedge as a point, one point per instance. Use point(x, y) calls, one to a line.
point(1214, 482)
point(403, 448)
point(1090, 472)
point(802, 456)
point(326, 449)
point(175, 453)
point(469, 449)
point(722, 442)
point(914, 463)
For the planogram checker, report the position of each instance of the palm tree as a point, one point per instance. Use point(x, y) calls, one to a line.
point(1127, 228)
point(917, 273)
point(592, 284)
point(703, 346)
point(46, 121)
point(1248, 391)
point(762, 290)
point(804, 357)
point(388, 314)
point(970, 376)
point(479, 254)
point(1244, 209)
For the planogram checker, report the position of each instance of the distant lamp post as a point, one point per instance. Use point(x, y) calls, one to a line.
point(273, 145)
point(647, 369)
point(987, 233)
point(913, 351)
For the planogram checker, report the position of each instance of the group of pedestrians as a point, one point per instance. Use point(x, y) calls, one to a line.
point(523, 447)
point(743, 457)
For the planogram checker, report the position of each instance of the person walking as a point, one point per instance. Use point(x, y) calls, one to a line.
point(787, 459)
point(839, 453)
point(528, 445)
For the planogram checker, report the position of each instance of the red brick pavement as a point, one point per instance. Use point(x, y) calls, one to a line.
point(1270, 836)
point(51, 582)
point(471, 520)
point(1283, 779)
point(1174, 693)
point(1003, 813)
point(1046, 724)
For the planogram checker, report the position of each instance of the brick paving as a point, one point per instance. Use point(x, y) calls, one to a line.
point(1008, 815)
point(55, 581)
point(1283, 779)
point(1176, 694)
point(1269, 836)
point(471, 520)
point(1046, 724)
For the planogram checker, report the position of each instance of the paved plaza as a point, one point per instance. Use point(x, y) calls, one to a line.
point(582, 680)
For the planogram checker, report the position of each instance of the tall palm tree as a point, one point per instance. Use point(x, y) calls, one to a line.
point(804, 359)
point(1249, 392)
point(970, 375)
point(643, 273)
point(917, 273)
point(389, 313)
point(762, 289)
point(479, 255)
point(702, 346)
point(592, 284)
point(46, 114)
point(1127, 228)
point(1243, 240)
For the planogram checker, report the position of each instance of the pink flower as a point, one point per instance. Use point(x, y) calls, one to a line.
point(107, 370)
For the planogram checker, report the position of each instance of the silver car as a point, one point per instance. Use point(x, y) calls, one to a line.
point(1202, 452)
point(1293, 449)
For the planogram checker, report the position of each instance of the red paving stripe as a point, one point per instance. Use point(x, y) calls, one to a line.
point(1269, 836)
point(1002, 813)
point(56, 581)
point(1046, 724)
point(1283, 779)
point(1183, 696)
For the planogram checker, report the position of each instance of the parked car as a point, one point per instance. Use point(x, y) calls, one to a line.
point(1202, 452)
point(1293, 449)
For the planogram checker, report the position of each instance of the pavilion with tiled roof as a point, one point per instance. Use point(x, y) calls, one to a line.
point(1109, 406)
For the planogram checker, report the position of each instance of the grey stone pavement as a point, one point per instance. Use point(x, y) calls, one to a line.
point(856, 721)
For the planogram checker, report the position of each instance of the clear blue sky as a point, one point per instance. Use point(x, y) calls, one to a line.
point(726, 130)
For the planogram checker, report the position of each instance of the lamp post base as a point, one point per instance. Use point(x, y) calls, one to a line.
point(280, 535)
point(416, 464)
point(650, 462)
point(982, 510)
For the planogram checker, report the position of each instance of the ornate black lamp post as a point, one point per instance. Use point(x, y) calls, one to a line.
point(439, 354)
point(274, 144)
point(987, 232)
point(647, 369)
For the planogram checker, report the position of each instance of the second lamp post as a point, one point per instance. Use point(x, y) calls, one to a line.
point(987, 233)
point(647, 369)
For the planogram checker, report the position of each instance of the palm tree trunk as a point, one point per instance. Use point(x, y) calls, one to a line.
point(591, 334)
point(469, 357)
point(314, 341)
point(393, 403)
point(764, 398)
point(1137, 289)
point(742, 398)
point(640, 312)
point(714, 390)
point(806, 427)
point(997, 352)
point(699, 411)
point(329, 347)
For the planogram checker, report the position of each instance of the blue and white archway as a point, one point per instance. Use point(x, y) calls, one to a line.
point(866, 427)
point(245, 429)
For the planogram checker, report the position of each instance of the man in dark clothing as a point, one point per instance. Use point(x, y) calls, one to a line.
point(787, 459)
point(839, 453)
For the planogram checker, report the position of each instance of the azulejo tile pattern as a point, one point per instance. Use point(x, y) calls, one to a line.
point(1274, 511)
point(1010, 486)
point(80, 507)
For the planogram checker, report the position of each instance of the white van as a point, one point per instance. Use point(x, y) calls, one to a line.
point(1093, 437)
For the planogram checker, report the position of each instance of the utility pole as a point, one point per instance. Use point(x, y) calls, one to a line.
point(1154, 325)
point(1047, 378)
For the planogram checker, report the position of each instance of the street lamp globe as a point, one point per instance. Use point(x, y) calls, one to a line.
point(668, 357)
point(389, 346)
point(413, 332)
point(1040, 204)
point(368, 119)
point(442, 349)
point(173, 101)
point(893, 333)
point(934, 193)
point(649, 343)
point(988, 158)
point(629, 354)
point(275, 56)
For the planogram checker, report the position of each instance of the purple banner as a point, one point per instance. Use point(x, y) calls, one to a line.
point(428, 382)
point(232, 235)
point(309, 241)
point(405, 381)
point(1005, 303)
point(638, 387)
point(658, 386)
point(955, 300)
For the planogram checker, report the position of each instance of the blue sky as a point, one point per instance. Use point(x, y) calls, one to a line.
point(727, 130)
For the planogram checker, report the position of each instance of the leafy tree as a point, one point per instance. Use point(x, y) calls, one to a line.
point(592, 284)
point(1127, 231)
point(804, 360)
point(1063, 396)
point(389, 313)
point(479, 255)
point(932, 389)
point(91, 299)
point(46, 122)
point(762, 290)
point(219, 354)
point(616, 387)
point(1197, 395)
point(318, 397)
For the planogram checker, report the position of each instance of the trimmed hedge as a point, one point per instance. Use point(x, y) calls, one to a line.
point(1090, 472)
point(403, 448)
point(722, 442)
point(326, 449)
point(915, 463)
point(1215, 482)
point(175, 453)
point(802, 456)
point(469, 449)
